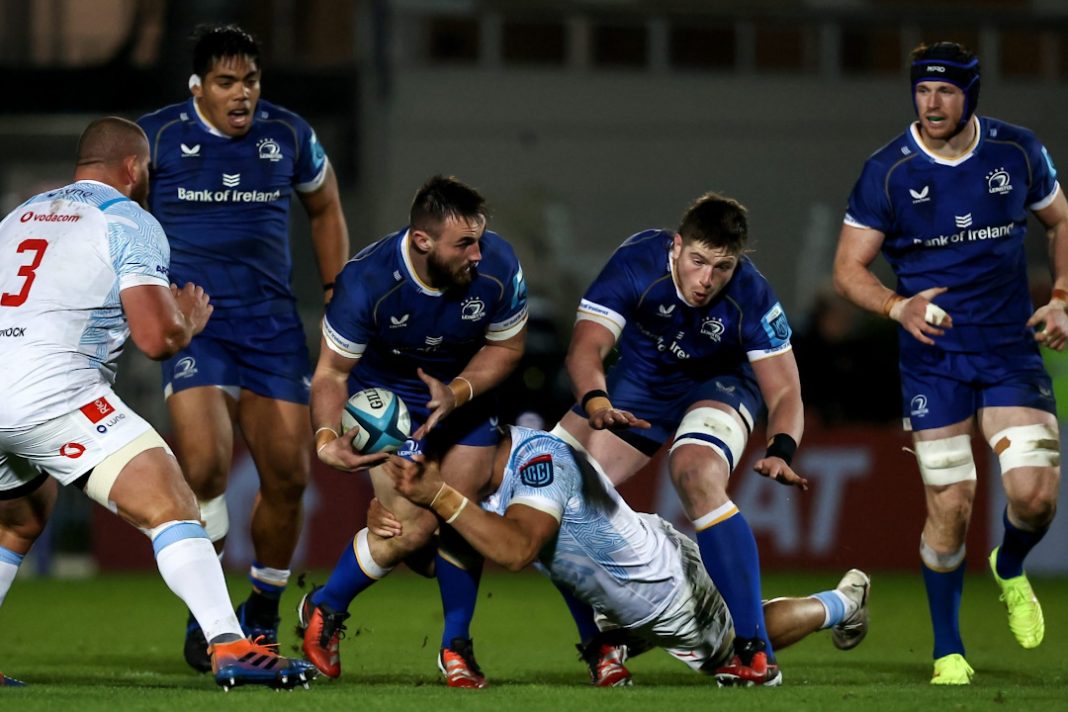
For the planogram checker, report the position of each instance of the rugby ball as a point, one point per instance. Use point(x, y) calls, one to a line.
point(382, 417)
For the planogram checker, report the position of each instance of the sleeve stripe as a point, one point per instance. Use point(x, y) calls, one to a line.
point(315, 183)
point(138, 280)
point(616, 327)
point(853, 223)
point(506, 330)
point(539, 503)
point(1048, 200)
point(339, 344)
point(762, 354)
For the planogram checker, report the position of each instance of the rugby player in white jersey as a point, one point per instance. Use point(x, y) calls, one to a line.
point(83, 268)
point(543, 502)
point(946, 203)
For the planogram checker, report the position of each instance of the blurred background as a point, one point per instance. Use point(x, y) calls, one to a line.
point(582, 122)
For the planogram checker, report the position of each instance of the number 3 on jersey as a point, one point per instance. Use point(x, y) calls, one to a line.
point(38, 247)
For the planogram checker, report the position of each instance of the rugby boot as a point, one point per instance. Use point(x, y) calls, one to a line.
point(1026, 622)
point(321, 628)
point(256, 628)
point(250, 662)
point(855, 586)
point(10, 681)
point(749, 666)
point(952, 670)
point(457, 664)
point(196, 647)
point(605, 662)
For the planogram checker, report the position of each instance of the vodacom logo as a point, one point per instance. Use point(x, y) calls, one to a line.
point(72, 450)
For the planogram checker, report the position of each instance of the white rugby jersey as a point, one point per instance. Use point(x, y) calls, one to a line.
point(620, 562)
point(64, 257)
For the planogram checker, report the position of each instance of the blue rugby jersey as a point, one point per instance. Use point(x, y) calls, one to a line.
point(669, 344)
point(960, 224)
point(224, 202)
point(384, 315)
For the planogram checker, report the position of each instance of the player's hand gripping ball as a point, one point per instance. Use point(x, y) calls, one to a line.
point(383, 419)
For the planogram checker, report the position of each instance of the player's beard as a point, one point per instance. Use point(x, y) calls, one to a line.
point(139, 191)
point(443, 276)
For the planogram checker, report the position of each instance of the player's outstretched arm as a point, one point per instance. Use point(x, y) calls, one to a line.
point(164, 320)
point(512, 541)
point(590, 345)
point(781, 388)
point(1052, 317)
point(330, 233)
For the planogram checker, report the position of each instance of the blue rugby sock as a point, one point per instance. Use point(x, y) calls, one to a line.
point(348, 578)
point(459, 593)
point(729, 553)
point(1015, 545)
point(582, 613)
point(944, 590)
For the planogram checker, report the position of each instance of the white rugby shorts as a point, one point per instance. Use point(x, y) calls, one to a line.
point(69, 446)
point(696, 626)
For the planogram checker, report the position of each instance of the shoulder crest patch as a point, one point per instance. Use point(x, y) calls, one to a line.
point(537, 472)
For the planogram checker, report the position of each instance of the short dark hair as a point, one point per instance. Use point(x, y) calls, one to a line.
point(213, 42)
point(109, 140)
point(444, 197)
point(951, 51)
point(716, 221)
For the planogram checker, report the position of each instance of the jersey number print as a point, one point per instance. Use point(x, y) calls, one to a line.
point(38, 247)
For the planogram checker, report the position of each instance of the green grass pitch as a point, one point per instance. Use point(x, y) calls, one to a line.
point(114, 643)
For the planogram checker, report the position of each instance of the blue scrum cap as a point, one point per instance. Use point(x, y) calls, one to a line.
point(952, 63)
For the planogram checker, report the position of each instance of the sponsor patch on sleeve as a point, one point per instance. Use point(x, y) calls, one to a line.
point(537, 472)
point(776, 326)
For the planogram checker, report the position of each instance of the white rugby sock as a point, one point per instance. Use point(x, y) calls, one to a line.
point(9, 566)
point(187, 562)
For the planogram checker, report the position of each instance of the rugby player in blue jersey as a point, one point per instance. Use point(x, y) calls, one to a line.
point(225, 165)
point(703, 344)
point(946, 203)
point(436, 313)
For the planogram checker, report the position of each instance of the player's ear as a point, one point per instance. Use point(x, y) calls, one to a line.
point(132, 169)
point(422, 241)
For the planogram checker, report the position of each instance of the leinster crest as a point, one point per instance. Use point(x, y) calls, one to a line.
point(712, 327)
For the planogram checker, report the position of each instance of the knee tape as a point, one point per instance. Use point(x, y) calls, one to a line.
point(946, 461)
point(1027, 446)
point(215, 516)
point(941, 563)
point(712, 428)
point(98, 486)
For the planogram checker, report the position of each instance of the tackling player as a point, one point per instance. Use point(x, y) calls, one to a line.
point(83, 268)
point(946, 203)
point(542, 501)
point(704, 344)
point(441, 301)
point(225, 165)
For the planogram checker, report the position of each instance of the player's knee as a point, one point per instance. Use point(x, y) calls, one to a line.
point(696, 475)
point(714, 429)
point(1033, 507)
point(945, 559)
point(946, 461)
point(282, 492)
point(1036, 445)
